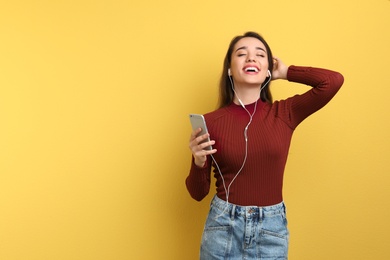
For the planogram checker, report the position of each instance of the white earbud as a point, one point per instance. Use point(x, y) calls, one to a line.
point(229, 73)
point(269, 73)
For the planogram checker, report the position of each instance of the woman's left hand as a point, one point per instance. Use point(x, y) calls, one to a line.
point(280, 69)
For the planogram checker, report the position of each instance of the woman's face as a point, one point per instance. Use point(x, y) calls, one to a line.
point(249, 62)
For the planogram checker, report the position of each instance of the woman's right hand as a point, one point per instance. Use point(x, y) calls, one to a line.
point(197, 147)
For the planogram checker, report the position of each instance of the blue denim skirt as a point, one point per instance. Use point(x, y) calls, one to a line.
point(244, 232)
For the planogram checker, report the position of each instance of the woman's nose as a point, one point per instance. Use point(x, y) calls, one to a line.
point(251, 59)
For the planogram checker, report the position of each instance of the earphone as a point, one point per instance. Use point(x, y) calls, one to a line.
point(227, 190)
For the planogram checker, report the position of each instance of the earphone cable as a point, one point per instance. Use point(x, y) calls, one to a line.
point(227, 190)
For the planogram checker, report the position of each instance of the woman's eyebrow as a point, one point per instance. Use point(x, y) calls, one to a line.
point(246, 47)
point(242, 48)
point(259, 48)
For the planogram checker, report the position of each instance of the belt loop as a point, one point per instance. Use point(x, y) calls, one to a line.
point(233, 212)
point(261, 213)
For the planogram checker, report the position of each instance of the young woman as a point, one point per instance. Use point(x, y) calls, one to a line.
point(250, 135)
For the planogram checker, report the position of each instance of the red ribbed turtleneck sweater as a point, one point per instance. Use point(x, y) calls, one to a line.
point(269, 135)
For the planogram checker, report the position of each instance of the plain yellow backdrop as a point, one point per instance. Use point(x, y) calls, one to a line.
point(94, 104)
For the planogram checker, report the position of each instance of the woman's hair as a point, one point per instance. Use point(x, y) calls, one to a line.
point(226, 93)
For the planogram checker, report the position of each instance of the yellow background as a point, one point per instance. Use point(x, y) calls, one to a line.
point(94, 104)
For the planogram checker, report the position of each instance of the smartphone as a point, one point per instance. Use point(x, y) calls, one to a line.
point(198, 121)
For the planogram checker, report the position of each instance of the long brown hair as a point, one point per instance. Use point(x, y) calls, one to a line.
point(226, 93)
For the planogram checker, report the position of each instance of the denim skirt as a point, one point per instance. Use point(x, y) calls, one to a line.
point(244, 232)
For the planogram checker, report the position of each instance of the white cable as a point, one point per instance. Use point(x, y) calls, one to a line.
point(227, 191)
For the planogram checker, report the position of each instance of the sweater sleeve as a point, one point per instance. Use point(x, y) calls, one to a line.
point(325, 84)
point(198, 180)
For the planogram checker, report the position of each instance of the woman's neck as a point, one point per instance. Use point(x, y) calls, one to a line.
point(246, 95)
